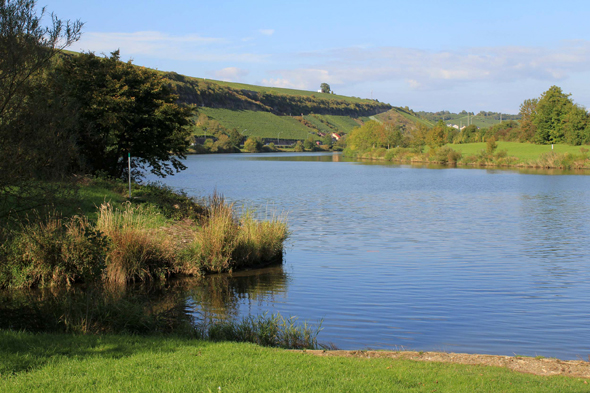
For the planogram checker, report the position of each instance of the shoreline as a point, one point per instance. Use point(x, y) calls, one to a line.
point(522, 364)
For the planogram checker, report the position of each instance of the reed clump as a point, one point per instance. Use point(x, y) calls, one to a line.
point(224, 242)
point(138, 251)
point(268, 330)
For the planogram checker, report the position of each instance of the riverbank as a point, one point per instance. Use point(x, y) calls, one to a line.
point(500, 154)
point(54, 362)
point(99, 236)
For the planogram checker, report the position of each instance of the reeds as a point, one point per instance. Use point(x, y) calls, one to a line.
point(268, 330)
point(225, 242)
point(139, 251)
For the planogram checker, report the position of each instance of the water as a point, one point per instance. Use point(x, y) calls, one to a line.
point(401, 257)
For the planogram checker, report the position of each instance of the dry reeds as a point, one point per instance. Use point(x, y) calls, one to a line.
point(138, 250)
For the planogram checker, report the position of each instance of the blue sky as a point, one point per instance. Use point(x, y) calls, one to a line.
point(428, 55)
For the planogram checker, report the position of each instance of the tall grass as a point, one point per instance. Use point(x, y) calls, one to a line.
point(139, 251)
point(269, 331)
point(225, 242)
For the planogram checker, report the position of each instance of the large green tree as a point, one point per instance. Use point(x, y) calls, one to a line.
point(551, 110)
point(124, 109)
point(35, 152)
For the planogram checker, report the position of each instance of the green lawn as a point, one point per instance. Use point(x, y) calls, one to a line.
point(523, 151)
point(262, 124)
point(62, 363)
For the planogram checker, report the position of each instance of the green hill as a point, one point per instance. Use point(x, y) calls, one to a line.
point(271, 112)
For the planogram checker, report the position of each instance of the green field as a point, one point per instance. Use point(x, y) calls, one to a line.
point(523, 151)
point(268, 125)
point(117, 363)
point(256, 123)
point(291, 92)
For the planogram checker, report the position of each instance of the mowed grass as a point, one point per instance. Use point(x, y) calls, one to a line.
point(61, 363)
point(261, 124)
point(523, 151)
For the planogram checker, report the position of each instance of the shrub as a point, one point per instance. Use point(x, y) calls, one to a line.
point(253, 145)
point(53, 251)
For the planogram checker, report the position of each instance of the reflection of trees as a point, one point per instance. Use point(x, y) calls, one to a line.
point(100, 309)
point(217, 297)
point(160, 307)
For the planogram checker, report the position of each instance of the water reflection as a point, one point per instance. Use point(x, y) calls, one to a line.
point(220, 296)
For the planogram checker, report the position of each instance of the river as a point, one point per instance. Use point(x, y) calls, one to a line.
point(401, 257)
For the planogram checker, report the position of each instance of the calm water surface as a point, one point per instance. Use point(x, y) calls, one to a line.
point(392, 257)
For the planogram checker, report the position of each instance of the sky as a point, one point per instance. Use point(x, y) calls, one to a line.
point(428, 55)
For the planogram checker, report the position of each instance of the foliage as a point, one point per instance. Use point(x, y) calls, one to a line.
point(491, 145)
point(124, 109)
point(224, 242)
point(437, 135)
point(325, 88)
point(35, 153)
point(298, 147)
point(253, 145)
point(52, 251)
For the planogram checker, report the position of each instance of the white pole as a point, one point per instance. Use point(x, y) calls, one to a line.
point(129, 170)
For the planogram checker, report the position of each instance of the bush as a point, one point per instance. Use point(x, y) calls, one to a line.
point(253, 145)
point(53, 252)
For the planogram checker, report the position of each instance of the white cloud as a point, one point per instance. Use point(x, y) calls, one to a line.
point(165, 46)
point(231, 74)
point(430, 70)
point(268, 32)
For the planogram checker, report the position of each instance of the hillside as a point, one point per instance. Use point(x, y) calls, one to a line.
point(481, 120)
point(270, 112)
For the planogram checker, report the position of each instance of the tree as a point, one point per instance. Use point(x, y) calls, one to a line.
point(34, 151)
point(469, 134)
point(436, 136)
point(309, 143)
point(527, 112)
point(327, 140)
point(253, 145)
point(325, 88)
point(124, 109)
point(549, 115)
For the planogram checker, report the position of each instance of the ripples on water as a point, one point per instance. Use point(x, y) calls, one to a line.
point(390, 257)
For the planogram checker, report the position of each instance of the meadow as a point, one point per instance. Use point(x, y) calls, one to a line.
point(522, 151)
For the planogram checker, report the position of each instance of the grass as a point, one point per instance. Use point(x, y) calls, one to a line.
point(293, 92)
point(58, 363)
point(522, 151)
point(164, 233)
point(257, 123)
point(507, 154)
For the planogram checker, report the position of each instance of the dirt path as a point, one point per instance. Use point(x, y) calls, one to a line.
point(547, 367)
